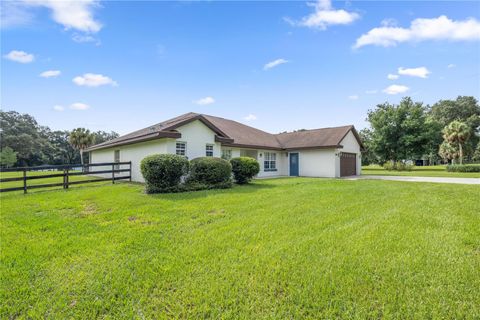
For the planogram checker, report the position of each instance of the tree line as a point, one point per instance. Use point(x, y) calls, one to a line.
point(447, 131)
point(24, 142)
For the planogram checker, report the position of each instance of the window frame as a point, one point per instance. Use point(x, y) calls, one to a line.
point(179, 151)
point(270, 161)
point(209, 153)
point(116, 158)
point(224, 152)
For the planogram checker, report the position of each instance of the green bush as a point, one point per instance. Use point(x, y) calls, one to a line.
point(210, 172)
point(463, 168)
point(244, 169)
point(397, 166)
point(163, 172)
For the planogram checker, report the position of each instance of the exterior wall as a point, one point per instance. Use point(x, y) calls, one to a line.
point(315, 163)
point(133, 152)
point(197, 136)
point(350, 144)
point(282, 161)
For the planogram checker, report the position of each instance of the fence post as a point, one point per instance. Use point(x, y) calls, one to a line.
point(113, 173)
point(24, 181)
point(66, 178)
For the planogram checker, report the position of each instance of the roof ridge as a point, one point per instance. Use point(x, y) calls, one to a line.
point(316, 129)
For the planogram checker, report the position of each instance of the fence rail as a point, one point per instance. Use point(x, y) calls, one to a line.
point(67, 172)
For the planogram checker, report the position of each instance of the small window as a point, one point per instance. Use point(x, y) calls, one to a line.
point(226, 154)
point(181, 149)
point(116, 158)
point(270, 162)
point(209, 150)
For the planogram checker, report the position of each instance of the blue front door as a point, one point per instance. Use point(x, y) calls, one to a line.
point(294, 164)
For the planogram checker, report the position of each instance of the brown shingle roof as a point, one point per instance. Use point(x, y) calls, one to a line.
point(323, 138)
point(242, 135)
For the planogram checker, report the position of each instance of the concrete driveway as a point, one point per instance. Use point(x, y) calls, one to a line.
point(418, 179)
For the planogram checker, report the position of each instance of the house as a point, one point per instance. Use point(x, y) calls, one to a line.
point(327, 152)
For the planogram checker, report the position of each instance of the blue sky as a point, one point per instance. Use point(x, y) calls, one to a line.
point(273, 65)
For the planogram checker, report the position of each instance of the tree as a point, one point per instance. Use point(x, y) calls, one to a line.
point(24, 135)
point(457, 133)
point(464, 109)
point(80, 139)
point(448, 151)
point(476, 155)
point(63, 152)
point(368, 155)
point(102, 136)
point(8, 157)
point(399, 132)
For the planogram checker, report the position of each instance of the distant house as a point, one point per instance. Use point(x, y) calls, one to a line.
point(327, 152)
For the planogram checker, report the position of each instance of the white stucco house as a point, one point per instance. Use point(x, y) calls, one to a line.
point(326, 152)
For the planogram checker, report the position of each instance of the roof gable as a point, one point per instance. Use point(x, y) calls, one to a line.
point(233, 133)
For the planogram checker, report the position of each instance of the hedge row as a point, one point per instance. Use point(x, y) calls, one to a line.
point(397, 166)
point(463, 168)
point(165, 173)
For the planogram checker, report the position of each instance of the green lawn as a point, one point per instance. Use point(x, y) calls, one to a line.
point(426, 171)
point(277, 249)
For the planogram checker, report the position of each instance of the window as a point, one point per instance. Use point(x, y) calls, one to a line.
point(226, 154)
point(209, 150)
point(270, 162)
point(116, 158)
point(181, 149)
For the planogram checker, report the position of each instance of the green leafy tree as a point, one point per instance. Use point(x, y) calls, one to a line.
point(22, 133)
point(465, 109)
point(476, 155)
point(80, 139)
point(8, 157)
point(399, 132)
point(457, 133)
point(63, 151)
point(448, 151)
point(102, 136)
point(368, 155)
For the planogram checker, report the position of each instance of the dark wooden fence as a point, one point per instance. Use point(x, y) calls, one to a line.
point(67, 171)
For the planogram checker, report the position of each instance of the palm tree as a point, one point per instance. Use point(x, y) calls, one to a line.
point(447, 151)
point(80, 139)
point(456, 133)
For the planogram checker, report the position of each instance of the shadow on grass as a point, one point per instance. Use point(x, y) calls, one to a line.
point(240, 189)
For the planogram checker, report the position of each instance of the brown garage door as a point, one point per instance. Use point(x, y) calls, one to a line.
point(348, 164)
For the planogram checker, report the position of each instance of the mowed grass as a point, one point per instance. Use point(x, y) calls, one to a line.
point(277, 249)
point(425, 171)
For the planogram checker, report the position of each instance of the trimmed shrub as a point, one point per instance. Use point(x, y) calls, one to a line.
point(163, 172)
point(463, 168)
point(244, 169)
point(397, 166)
point(210, 173)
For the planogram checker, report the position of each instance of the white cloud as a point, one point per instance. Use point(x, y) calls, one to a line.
point(58, 108)
point(13, 14)
point(19, 56)
point(391, 76)
point(420, 72)
point(353, 97)
point(451, 65)
point(205, 101)
point(79, 106)
point(441, 28)
point(93, 80)
point(395, 89)
point(250, 117)
point(371, 91)
point(72, 14)
point(50, 74)
point(81, 38)
point(274, 63)
point(325, 16)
